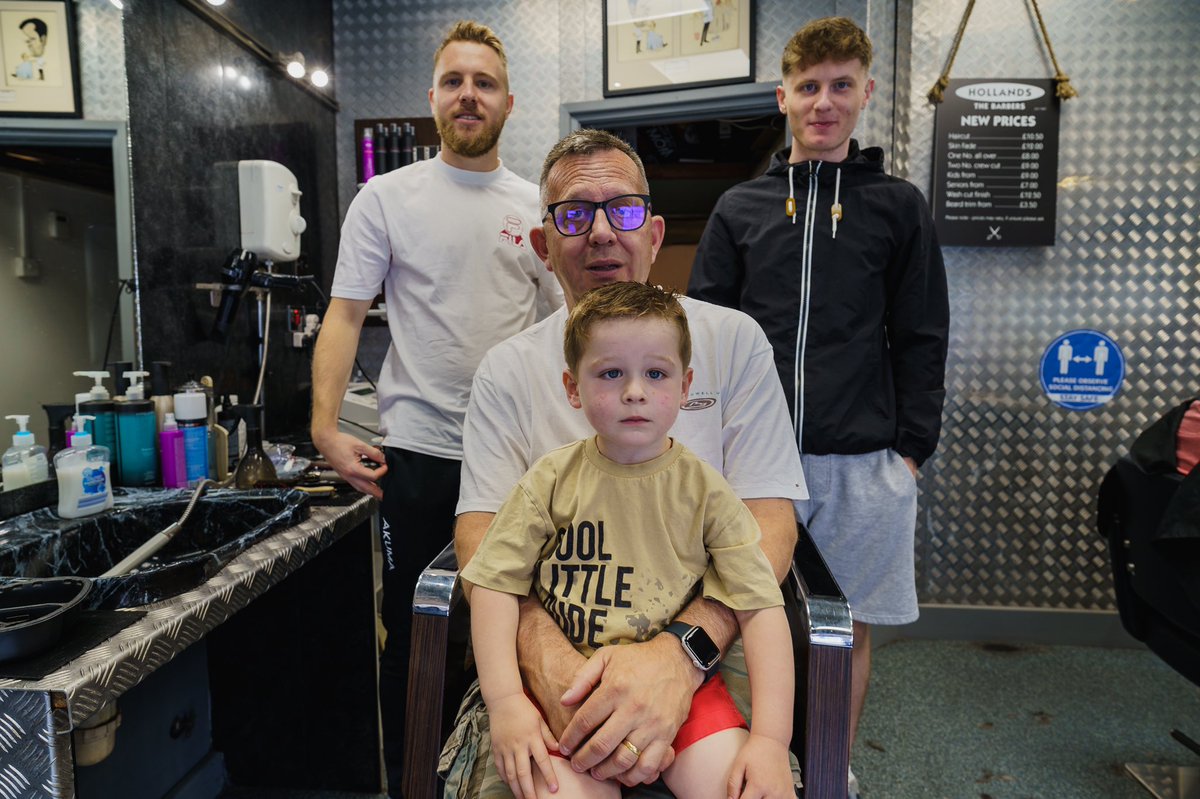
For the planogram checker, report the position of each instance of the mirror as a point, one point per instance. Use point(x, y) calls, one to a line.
point(68, 288)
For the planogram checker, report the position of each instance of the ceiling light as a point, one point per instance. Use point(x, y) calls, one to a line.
point(216, 2)
point(319, 78)
point(295, 65)
point(118, 4)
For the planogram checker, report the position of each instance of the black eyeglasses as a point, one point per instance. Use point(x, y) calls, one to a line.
point(625, 212)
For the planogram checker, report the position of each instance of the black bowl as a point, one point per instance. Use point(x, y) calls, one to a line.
point(33, 612)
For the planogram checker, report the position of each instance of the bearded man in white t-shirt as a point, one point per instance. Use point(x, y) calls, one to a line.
point(447, 241)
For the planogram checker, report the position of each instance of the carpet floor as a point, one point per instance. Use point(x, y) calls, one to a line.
point(958, 720)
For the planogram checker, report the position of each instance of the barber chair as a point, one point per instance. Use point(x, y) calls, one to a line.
point(821, 639)
point(1144, 515)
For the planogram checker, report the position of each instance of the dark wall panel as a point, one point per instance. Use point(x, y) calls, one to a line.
point(197, 99)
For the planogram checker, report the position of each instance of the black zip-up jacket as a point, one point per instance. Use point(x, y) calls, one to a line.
point(858, 314)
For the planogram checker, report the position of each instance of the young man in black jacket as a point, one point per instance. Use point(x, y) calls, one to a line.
point(840, 264)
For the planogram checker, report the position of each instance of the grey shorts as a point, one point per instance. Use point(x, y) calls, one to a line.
point(466, 762)
point(863, 515)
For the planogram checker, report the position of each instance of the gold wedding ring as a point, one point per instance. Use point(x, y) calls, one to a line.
point(629, 745)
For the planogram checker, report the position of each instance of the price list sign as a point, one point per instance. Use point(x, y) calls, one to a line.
point(996, 163)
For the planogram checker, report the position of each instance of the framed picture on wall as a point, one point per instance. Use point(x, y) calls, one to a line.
point(39, 58)
point(659, 45)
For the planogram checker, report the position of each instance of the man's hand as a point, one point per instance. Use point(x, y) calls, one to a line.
point(345, 454)
point(636, 692)
point(912, 465)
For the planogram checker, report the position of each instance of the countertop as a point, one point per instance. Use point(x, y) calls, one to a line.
point(81, 686)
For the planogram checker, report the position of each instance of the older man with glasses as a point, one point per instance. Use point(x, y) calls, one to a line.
point(617, 713)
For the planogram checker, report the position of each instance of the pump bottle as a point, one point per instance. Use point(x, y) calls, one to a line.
point(137, 455)
point(103, 409)
point(84, 482)
point(25, 461)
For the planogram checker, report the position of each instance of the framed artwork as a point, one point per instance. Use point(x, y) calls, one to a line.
point(659, 45)
point(39, 58)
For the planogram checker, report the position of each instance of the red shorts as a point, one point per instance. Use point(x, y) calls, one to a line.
point(712, 711)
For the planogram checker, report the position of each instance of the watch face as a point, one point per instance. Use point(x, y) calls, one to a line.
point(702, 648)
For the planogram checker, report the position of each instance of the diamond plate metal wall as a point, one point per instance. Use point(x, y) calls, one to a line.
point(1008, 508)
point(1007, 512)
point(100, 32)
point(384, 51)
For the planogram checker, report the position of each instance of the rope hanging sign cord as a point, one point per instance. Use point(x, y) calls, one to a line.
point(1064, 90)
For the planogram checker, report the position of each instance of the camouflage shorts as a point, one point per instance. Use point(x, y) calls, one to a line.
point(466, 762)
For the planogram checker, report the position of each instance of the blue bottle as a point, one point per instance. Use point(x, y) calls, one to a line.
point(137, 433)
point(191, 412)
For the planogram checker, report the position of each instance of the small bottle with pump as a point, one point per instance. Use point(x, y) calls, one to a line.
point(174, 460)
point(160, 391)
point(137, 455)
point(84, 482)
point(191, 413)
point(79, 400)
point(24, 463)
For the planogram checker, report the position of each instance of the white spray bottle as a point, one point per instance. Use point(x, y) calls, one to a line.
point(25, 461)
point(84, 475)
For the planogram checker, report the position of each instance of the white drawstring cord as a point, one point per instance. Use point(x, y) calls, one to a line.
point(836, 210)
point(789, 207)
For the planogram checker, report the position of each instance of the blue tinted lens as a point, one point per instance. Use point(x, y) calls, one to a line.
point(628, 214)
point(573, 219)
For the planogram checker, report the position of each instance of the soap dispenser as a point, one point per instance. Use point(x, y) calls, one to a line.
point(101, 406)
point(84, 483)
point(137, 452)
point(25, 461)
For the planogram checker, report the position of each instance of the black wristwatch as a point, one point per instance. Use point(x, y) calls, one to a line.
point(697, 645)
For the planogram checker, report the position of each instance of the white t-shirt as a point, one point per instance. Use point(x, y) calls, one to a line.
point(451, 250)
point(733, 417)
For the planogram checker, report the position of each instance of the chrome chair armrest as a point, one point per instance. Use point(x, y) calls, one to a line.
point(438, 588)
point(822, 640)
point(438, 591)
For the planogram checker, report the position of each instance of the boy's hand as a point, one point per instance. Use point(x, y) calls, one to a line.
point(519, 735)
point(761, 770)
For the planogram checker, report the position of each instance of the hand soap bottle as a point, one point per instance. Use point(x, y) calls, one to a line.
point(25, 461)
point(84, 482)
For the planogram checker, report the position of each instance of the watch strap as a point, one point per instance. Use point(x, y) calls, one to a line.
point(680, 629)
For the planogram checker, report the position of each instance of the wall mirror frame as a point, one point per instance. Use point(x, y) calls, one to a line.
point(18, 138)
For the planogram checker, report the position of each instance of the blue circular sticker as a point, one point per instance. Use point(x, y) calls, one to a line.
point(1082, 369)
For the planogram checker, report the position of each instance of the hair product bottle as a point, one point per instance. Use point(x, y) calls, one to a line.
point(160, 391)
point(191, 412)
point(137, 455)
point(255, 468)
point(368, 154)
point(102, 409)
point(174, 460)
